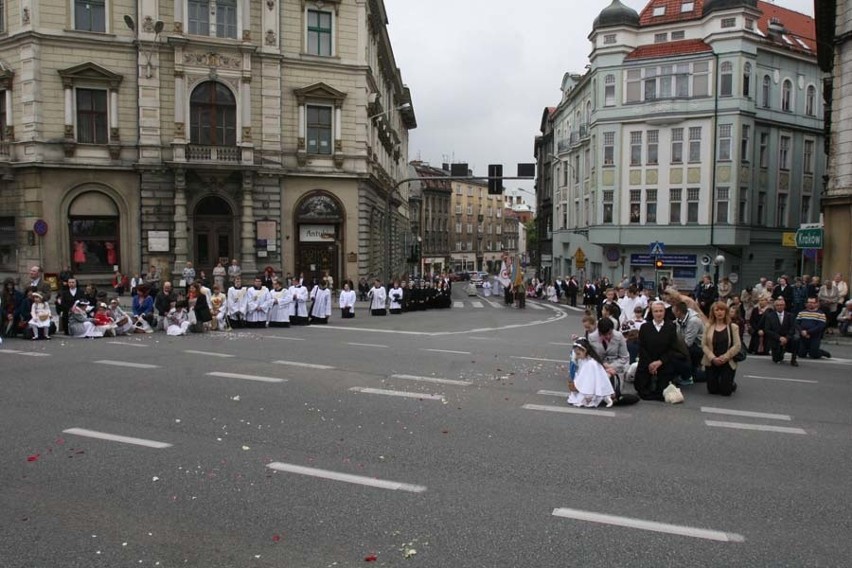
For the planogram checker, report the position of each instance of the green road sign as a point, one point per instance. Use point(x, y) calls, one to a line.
point(809, 238)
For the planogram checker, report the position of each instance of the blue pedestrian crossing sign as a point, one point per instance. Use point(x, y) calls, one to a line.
point(657, 248)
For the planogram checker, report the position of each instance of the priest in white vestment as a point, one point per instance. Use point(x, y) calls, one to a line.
point(258, 303)
point(299, 303)
point(378, 299)
point(321, 308)
point(281, 308)
point(236, 304)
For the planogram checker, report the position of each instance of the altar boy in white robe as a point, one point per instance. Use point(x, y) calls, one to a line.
point(258, 302)
point(347, 302)
point(395, 296)
point(378, 299)
point(279, 312)
point(236, 304)
point(321, 308)
point(299, 302)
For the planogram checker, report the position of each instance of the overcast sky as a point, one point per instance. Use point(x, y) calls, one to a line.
point(481, 72)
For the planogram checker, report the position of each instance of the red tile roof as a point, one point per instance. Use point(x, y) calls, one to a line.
point(669, 49)
point(798, 25)
point(673, 12)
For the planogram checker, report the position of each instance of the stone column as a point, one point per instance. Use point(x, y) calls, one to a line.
point(247, 252)
point(181, 248)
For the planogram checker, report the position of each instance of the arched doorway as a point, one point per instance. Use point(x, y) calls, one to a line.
point(319, 219)
point(213, 233)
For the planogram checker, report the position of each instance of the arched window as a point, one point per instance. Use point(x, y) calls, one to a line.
point(588, 113)
point(747, 80)
point(810, 104)
point(726, 80)
point(767, 87)
point(213, 115)
point(609, 90)
point(787, 95)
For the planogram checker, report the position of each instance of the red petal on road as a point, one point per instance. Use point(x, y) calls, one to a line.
point(276, 537)
point(371, 558)
point(33, 457)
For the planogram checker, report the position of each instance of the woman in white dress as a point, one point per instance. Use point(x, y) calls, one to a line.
point(347, 302)
point(177, 319)
point(551, 293)
point(279, 311)
point(591, 385)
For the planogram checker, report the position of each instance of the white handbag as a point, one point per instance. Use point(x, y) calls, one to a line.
point(672, 394)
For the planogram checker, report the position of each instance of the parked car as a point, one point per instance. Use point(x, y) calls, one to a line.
point(476, 279)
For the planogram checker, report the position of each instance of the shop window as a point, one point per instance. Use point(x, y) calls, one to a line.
point(94, 244)
point(7, 243)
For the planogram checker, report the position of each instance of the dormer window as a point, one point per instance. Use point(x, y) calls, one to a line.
point(678, 35)
point(661, 38)
point(609, 39)
point(729, 23)
point(687, 7)
point(659, 11)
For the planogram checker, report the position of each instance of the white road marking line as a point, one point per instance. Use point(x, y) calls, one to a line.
point(448, 351)
point(562, 344)
point(535, 306)
point(492, 303)
point(245, 377)
point(571, 410)
point(831, 361)
point(458, 304)
point(476, 304)
point(539, 359)
point(483, 338)
point(284, 338)
point(346, 477)
point(780, 379)
point(127, 364)
point(654, 526)
point(553, 393)
point(432, 380)
point(759, 427)
point(126, 344)
point(749, 414)
point(209, 353)
point(368, 345)
point(33, 354)
point(575, 308)
point(116, 438)
point(306, 365)
point(403, 394)
point(11, 351)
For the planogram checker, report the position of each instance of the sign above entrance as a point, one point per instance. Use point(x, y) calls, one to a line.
point(317, 233)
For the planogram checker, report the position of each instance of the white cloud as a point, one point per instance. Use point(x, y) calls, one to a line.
point(481, 72)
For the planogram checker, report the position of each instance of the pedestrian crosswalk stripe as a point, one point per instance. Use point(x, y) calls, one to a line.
point(432, 380)
point(458, 304)
point(403, 394)
point(477, 304)
point(492, 303)
point(745, 413)
point(127, 364)
point(571, 410)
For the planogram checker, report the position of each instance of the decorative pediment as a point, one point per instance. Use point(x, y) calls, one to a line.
point(319, 91)
point(90, 73)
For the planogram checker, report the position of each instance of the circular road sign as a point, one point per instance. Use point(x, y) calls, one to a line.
point(40, 227)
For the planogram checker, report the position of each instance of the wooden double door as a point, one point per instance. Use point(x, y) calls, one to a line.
point(315, 260)
point(214, 241)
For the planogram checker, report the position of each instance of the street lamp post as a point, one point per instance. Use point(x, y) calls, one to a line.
point(151, 27)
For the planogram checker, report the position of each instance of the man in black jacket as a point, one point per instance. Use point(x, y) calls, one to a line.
point(780, 333)
point(66, 300)
point(164, 301)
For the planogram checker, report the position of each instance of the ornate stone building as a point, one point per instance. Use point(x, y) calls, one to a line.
point(834, 30)
point(155, 132)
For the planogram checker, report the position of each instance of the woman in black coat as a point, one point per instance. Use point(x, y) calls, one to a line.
point(200, 307)
point(658, 355)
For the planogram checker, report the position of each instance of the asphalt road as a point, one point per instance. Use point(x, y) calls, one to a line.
point(419, 440)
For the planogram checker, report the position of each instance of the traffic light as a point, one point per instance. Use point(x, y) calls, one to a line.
point(659, 264)
point(495, 179)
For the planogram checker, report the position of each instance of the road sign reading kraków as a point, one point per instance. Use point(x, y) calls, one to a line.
point(809, 238)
